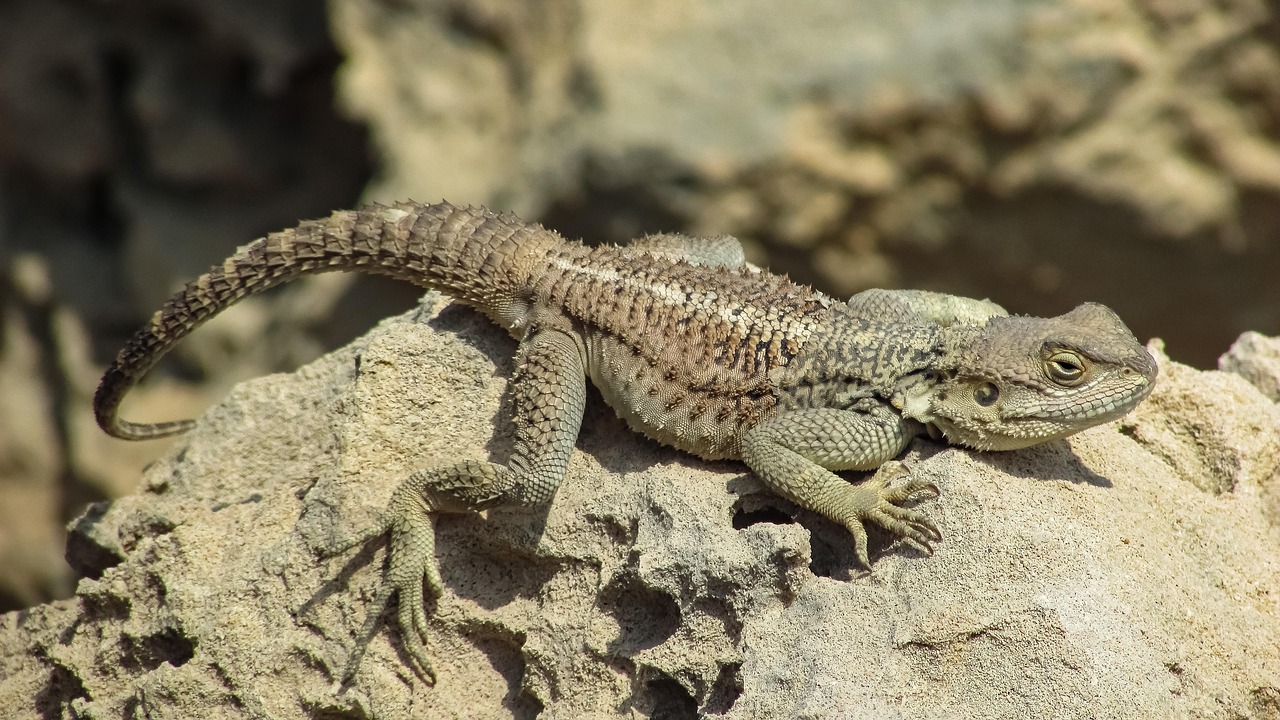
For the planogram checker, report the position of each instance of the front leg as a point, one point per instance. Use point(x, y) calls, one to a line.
point(548, 391)
point(796, 452)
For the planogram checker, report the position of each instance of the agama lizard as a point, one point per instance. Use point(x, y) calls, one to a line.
point(692, 347)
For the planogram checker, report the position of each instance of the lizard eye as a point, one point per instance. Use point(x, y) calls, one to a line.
point(986, 394)
point(1065, 367)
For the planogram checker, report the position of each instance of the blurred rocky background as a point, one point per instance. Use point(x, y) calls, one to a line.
point(1039, 153)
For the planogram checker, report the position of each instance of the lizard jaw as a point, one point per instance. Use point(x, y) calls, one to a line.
point(1028, 415)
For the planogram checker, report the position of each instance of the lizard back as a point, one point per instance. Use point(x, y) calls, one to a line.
point(687, 354)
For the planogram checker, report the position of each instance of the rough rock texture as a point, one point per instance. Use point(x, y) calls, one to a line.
point(1131, 572)
point(1256, 358)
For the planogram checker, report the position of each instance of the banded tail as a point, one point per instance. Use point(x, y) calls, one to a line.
point(479, 257)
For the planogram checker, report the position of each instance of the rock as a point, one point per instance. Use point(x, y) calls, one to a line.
point(1128, 572)
point(1255, 358)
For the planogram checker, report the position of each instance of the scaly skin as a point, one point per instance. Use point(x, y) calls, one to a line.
point(693, 348)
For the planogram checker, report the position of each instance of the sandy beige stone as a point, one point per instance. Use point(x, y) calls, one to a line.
point(1130, 572)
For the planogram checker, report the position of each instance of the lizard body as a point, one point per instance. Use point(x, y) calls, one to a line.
point(695, 349)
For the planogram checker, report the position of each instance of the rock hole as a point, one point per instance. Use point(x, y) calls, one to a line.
point(827, 560)
point(645, 617)
point(831, 548)
point(662, 697)
point(506, 656)
point(332, 714)
point(88, 552)
point(54, 701)
point(725, 691)
point(743, 519)
point(150, 652)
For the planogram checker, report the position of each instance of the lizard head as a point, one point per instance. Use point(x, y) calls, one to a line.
point(1019, 381)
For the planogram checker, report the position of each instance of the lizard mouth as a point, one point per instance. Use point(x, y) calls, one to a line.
point(1054, 418)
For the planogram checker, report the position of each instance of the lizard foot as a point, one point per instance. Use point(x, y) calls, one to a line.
point(410, 520)
point(875, 501)
point(412, 560)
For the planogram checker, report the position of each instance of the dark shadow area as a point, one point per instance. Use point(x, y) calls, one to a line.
point(646, 617)
point(743, 519)
point(663, 698)
point(53, 702)
point(88, 554)
point(1048, 461)
point(493, 561)
point(505, 656)
point(340, 582)
point(626, 197)
point(141, 655)
point(725, 691)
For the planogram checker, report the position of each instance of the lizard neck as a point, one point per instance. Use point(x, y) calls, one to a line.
point(860, 358)
point(915, 394)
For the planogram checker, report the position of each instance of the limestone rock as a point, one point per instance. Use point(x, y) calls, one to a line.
point(1129, 572)
point(1256, 358)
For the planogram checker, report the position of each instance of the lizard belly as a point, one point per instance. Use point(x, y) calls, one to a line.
point(666, 403)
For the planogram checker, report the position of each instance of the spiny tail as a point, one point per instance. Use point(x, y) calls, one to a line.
point(478, 257)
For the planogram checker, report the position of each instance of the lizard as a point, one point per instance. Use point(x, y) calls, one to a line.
point(694, 348)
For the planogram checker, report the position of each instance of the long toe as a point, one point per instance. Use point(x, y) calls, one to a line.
point(904, 491)
point(913, 518)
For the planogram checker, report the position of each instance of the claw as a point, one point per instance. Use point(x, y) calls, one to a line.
point(918, 530)
point(874, 501)
point(904, 491)
point(914, 519)
point(413, 626)
point(860, 544)
point(412, 563)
